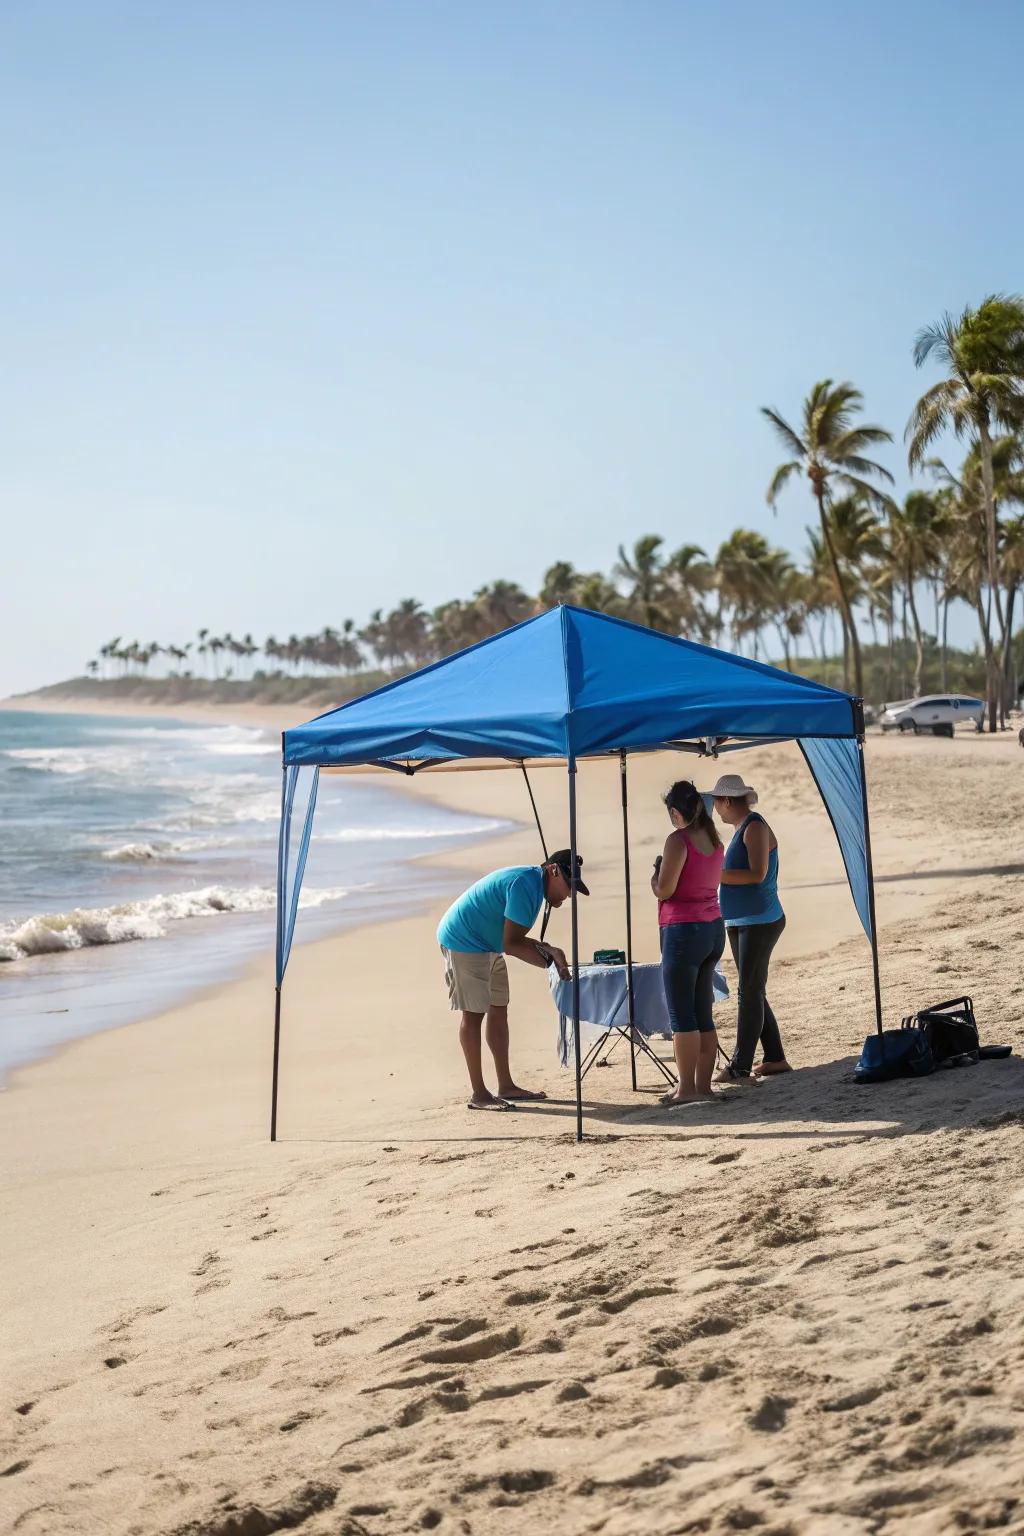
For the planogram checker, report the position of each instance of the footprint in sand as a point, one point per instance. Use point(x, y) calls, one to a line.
point(484, 1347)
point(464, 1330)
point(245, 1370)
point(526, 1298)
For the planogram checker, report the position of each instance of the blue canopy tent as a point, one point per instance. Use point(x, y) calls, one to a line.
point(568, 685)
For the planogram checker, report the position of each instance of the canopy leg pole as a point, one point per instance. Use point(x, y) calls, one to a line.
point(575, 952)
point(630, 1000)
point(871, 886)
point(277, 1055)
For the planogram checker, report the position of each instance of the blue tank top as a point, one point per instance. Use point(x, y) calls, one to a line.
point(744, 905)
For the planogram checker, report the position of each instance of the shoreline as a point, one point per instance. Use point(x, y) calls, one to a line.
point(244, 965)
point(272, 717)
point(474, 793)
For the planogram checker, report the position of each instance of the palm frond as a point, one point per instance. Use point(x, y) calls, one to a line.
point(870, 492)
point(859, 438)
point(940, 340)
point(930, 416)
point(780, 477)
point(861, 466)
point(835, 411)
point(791, 439)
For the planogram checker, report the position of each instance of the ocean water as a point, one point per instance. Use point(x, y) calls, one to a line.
point(138, 862)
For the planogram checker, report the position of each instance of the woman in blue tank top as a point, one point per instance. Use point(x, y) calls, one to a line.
point(754, 921)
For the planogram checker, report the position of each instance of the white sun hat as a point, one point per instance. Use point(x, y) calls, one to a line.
point(731, 787)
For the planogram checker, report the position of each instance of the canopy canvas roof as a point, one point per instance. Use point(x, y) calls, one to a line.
point(572, 684)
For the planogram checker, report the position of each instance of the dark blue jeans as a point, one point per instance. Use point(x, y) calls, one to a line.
point(689, 953)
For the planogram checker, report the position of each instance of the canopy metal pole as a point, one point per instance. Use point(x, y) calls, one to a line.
point(630, 1000)
point(277, 1054)
point(282, 866)
point(575, 952)
point(871, 885)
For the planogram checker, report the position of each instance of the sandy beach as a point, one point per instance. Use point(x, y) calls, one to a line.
point(797, 1309)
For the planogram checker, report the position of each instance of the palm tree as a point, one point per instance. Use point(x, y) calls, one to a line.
point(831, 450)
point(970, 533)
point(857, 539)
point(744, 566)
point(411, 627)
point(915, 534)
point(560, 585)
point(689, 578)
point(598, 594)
point(351, 657)
point(788, 591)
point(981, 352)
point(1012, 560)
point(501, 604)
point(456, 625)
point(644, 572)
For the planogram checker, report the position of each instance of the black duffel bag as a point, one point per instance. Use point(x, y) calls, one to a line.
point(951, 1031)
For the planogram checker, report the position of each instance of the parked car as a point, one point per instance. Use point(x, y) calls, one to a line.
point(938, 714)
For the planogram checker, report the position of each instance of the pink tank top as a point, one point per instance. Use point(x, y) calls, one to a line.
point(695, 899)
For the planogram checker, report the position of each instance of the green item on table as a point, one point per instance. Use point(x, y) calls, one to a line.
point(609, 957)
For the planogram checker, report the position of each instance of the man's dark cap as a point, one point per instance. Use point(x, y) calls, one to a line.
point(563, 858)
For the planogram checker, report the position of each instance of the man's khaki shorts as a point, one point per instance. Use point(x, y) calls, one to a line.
point(476, 982)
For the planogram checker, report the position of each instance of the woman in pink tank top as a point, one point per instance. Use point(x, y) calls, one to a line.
point(685, 880)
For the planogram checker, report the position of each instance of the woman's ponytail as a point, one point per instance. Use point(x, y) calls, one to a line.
point(685, 797)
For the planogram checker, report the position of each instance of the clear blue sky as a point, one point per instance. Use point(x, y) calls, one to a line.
point(309, 307)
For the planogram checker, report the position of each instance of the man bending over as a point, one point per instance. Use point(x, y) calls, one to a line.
point(489, 921)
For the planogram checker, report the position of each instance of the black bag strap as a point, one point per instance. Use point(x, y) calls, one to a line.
point(957, 1010)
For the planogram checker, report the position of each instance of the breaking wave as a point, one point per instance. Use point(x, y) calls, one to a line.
point(51, 933)
point(51, 759)
point(140, 853)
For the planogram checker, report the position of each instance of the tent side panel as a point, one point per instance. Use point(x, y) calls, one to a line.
point(835, 767)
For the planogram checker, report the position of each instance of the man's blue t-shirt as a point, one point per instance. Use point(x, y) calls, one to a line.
point(475, 924)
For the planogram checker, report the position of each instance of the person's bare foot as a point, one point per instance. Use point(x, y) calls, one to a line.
point(732, 1079)
point(521, 1095)
point(673, 1099)
point(771, 1068)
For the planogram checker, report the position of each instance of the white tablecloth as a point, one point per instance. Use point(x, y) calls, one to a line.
point(603, 1002)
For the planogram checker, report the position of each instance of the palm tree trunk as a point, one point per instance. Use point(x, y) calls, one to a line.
point(918, 637)
point(986, 634)
point(1008, 680)
point(992, 540)
point(945, 644)
point(890, 623)
point(849, 627)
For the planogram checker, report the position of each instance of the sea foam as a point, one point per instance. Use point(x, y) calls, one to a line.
point(53, 932)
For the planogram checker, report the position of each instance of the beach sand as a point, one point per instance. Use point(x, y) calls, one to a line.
point(797, 1309)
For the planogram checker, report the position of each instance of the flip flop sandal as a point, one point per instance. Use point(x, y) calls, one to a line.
point(525, 1098)
point(498, 1106)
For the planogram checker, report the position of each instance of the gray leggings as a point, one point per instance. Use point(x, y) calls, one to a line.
point(752, 951)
